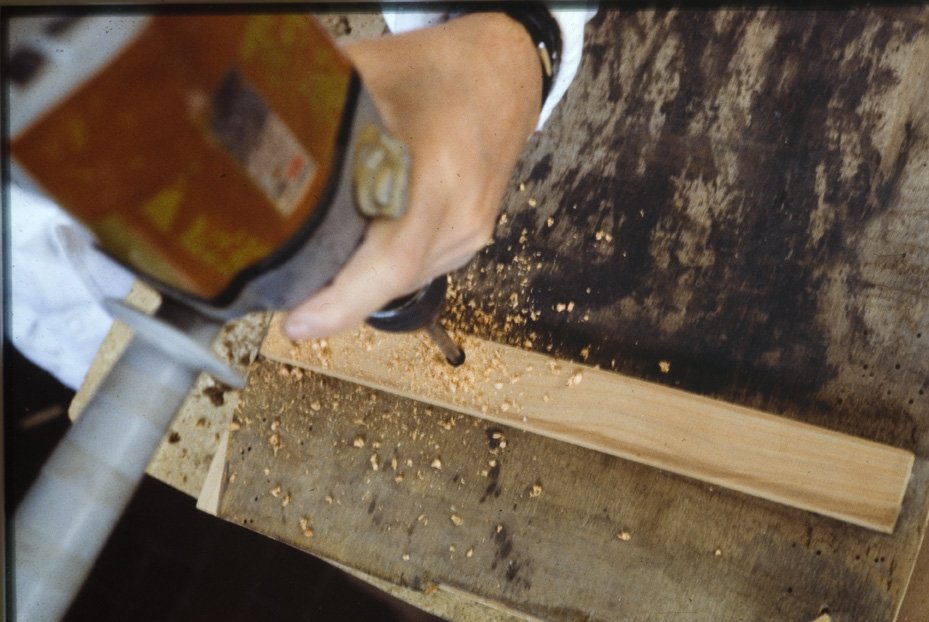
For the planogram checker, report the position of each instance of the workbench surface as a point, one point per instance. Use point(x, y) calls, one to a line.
point(733, 203)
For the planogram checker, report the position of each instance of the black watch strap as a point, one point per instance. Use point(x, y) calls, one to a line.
point(541, 26)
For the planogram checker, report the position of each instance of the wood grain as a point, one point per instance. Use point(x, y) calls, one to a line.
point(771, 457)
point(378, 478)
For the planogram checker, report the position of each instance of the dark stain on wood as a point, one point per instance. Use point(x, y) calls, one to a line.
point(216, 394)
point(494, 436)
point(493, 482)
point(504, 553)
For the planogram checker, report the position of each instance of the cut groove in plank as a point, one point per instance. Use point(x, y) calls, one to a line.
point(775, 458)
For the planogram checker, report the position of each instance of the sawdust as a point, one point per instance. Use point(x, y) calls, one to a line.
point(305, 527)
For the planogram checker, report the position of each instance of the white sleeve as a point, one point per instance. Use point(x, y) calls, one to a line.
point(571, 21)
point(57, 323)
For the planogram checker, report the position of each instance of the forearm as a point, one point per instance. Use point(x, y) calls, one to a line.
point(493, 57)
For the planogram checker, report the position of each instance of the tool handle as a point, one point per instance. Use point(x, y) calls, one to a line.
point(66, 517)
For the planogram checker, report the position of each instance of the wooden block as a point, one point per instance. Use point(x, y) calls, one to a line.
point(804, 466)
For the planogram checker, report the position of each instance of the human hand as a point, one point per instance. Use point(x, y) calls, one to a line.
point(464, 96)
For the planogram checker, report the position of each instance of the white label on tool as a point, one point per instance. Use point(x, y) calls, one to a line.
point(261, 142)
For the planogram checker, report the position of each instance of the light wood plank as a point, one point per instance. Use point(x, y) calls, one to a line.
point(775, 458)
point(208, 500)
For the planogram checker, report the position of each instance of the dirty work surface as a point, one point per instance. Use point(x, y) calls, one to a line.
point(426, 497)
point(732, 203)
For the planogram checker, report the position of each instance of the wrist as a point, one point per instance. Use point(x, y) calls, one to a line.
point(503, 52)
point(543, 30)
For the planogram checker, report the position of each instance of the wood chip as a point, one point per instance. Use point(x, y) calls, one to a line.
point(359, 442)
point(456, 520)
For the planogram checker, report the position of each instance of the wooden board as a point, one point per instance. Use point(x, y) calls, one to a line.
point(720, 443)
point(741, 194)
point(429, 498)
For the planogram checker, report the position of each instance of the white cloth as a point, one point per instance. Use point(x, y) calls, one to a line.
point(571, 20)
point(56, 322)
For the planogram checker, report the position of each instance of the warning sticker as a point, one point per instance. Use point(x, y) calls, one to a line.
point(263, 145)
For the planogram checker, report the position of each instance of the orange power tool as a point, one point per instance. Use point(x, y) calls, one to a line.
point(232, 161)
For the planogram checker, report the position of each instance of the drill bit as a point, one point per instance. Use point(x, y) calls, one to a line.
point(452, 351)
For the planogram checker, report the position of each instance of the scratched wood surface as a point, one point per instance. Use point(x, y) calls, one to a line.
point(740, 195)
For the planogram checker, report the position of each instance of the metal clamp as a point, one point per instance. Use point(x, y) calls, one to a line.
point(380, 173)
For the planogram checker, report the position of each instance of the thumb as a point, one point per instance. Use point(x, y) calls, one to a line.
point(373, 276)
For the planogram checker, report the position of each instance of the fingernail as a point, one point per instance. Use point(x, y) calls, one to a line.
point(298, 329)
